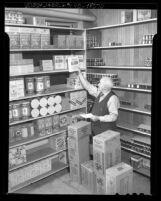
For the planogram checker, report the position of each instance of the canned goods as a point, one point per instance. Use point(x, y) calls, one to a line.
point(39, 85)
point(25, 110)
point(29, 85)
point(35, 103)
point(47, 83)
point(43, 102)
point(16, 111)
point(24, 131)
point(18, 133)
point(10, 113)
point(31, 132)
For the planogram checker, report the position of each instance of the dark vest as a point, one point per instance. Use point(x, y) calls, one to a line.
point(100, 109)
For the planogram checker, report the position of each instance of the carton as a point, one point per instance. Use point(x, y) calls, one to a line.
point(106, 151)
point(119, 179)
point(88, 176)
point(35, 40)
point(75, 172)
point(14, 40)
point(48, 125)
point(72, 100)
point(79, 42)
point(73, 63)
point(58, 62)
point(63, 157)
point(34, 20)
point(63, 121)
point(45, 41)
point(17, 88)
point(25, 40)
point(59, 41)
point(47, 65)
point(126, 16)
point(143, 14)
point(40, 127)
point(56, 124)
point(65, 103)
point(100, 184)
point(81, 61)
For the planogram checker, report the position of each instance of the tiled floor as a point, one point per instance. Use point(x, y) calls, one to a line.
point(61, 183)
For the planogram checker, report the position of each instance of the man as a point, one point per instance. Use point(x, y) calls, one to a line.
point(105, 109)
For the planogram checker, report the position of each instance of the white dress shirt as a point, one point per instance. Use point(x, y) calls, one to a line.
point(113, 104)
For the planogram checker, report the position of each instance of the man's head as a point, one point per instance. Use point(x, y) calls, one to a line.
point(105, 84)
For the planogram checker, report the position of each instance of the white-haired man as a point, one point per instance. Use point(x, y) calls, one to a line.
point(106, 105)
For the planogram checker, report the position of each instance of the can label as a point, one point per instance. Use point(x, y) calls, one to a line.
point(24, 111)
point(15, 113)
point(30, 86)
point(47, 84)
point(24, 132)
point(40, 86)
point(10, 115)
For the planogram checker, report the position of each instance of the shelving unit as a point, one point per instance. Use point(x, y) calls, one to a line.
point(126, 60)
point(55, 89)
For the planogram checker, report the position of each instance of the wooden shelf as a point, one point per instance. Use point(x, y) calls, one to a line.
point(120, 47)
point(131, 89)
point(37, 156)
point(38, 50)
point(122, 67)
point(31, 119)
point(135, 152)
point(43, 27)
point(55, 168)
point(35, 139)
point(135, 109)
point(55, 89)
point(131, 128)
point(122, 24)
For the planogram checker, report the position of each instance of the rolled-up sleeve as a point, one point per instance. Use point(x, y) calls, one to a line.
point(113, 106)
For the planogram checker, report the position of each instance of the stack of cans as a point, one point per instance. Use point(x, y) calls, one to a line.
point(148, 39)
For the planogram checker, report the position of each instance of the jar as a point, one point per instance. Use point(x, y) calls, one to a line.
point(29, 85)
point(10, 113)
point(39, 85)
point(16, 111)
point(47, 83)
point(25, 110)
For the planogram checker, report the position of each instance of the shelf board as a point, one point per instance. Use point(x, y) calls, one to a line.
point(37, 156)
point(120, 46)
point(132, 128)
point(44, 27)
point(135, 152)
point(60, 166)
point(135, 109)
point(143, 171)
point(122, 24)
point(55, 89)
point(43, 72)
point(122, 67)
point(34, 139)
point(38, 50)
point(31, 119)
point(131, 89)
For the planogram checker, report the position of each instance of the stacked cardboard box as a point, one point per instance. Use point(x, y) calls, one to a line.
point(78, 99)
point(119, 179)
point(106, 153)
point(88, 176)
point(78, 147)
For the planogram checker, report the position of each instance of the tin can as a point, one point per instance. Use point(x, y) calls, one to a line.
point(29, 85)
point(16, 111)
point(18, 133)
point(39, 85)
point(31, 131)
point(10, 113)
point(25, 110)
point(47, 83)
point(25, 132)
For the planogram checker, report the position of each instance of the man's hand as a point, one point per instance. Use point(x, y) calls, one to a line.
point(94, 118)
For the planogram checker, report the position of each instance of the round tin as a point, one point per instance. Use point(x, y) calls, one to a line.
point(29, 85)
point(16, 111)
point(35, 103)
point(25, 110)
point(43, 102)
point(35, 113)
point(43, 111)
point(39, 85)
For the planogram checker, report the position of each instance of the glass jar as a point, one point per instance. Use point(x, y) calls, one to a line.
point(39, 85)
point(25, 110)
point(29, 85)
point(16, 111)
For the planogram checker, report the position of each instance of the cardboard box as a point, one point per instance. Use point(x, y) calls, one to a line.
point(25, 40)
point(34, 20)
point(35, 41)
point(14, 40)
point(81, 99)
point(48, 125)
point(81, 61)
point(59, 41)
point(75, 172)
point(72, 100)
point(74, 83)
point(65, 103)
point(17, 88)
point(56, 124)
point(63, 157)
point(73, 63)
point(71, 41)
point(63, 120)
point(144, 14)
point(40, 127)
point(45, 41)
point(100, 184)
point(47, 65)
point(106, 151)
point(119, 179)
point(79, 43)
point(58, 62)
point(88, 176)
point(126, 16)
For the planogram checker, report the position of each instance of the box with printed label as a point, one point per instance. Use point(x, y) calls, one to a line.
point(74, 117)
point(71, 41)
point(81, 61)
point(65, 103)
point(56, 124)
point(144, 14)
point(17, 88)
point(58, 62)
point(25, 40)
point(35, 40)
point(79, 42)
point(88, 176)
point(81, 99)
point(40, 127)
point(119, 179)
point(63, 157)
point(63, 121)
point(74, 83)
point(106, 151)
point(58, 142)
point(34, 20)
point(14, 40)
point(45, 41)
point(73, 63)
point(126, 16)
point(100, 184)
point(75, 172)
point(59, 41)
point(72, 100)
point(48, 125)
point(47, 65)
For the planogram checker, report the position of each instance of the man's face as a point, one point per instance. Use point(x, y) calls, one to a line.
point(103, 85)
